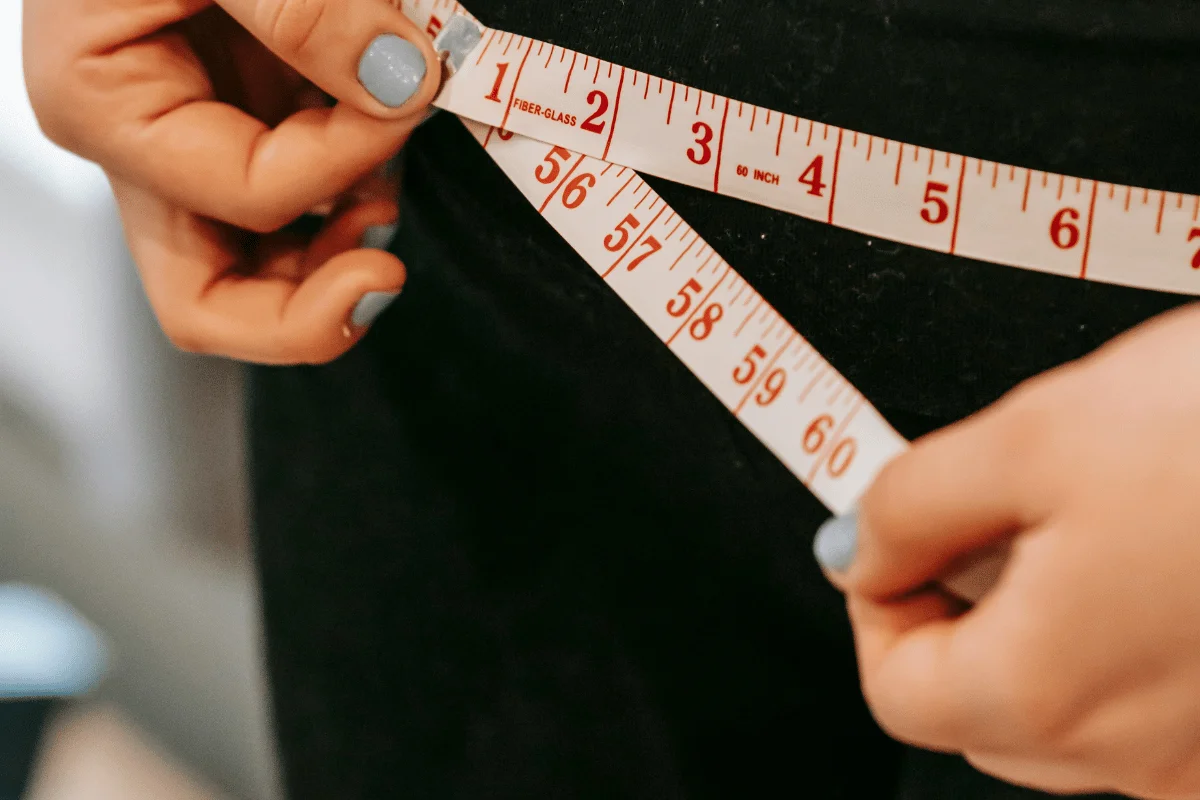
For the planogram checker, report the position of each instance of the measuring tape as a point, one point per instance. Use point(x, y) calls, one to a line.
point(572, 132)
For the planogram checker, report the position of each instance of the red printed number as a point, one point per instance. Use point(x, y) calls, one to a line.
point(814, 437)
point(652, 246)
point(749, 366)
point(842, 457)
point(811, 177)
point(613, 242)
point(1196, 258)
point(435, 25)
point(771, 387)
point(940, 212)
point(550, 175)
point(495, 95)
point(682, 302)
point(590, 124)
point(704, 135)
point(576, 191)
point(703, 325)
point(1063, 232)
point(843, 454)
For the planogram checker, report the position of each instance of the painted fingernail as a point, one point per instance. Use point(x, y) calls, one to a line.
point(371, 306)
point(837, 541)
point(392, 69)
point(378, 237)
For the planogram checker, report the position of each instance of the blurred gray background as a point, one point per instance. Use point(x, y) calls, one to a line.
point(122, 482)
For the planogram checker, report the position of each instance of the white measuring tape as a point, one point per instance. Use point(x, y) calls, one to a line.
point(572, 132)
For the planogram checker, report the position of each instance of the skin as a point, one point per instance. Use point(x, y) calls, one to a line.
point(1080, 670)
point(216, 126)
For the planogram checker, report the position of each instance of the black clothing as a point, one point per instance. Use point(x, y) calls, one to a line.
point(511, 548)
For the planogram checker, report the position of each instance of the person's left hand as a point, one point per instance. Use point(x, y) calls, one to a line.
point(246, 142)
point(1080, 670)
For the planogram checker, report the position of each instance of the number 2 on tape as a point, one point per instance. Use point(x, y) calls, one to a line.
point(586, 125)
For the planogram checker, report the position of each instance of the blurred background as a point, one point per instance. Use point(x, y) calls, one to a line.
point(122, 489)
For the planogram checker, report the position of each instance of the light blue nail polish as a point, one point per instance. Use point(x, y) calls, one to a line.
point(392, 69)
point(47, 649)
point(371, 306)
point(837, 542)
point(378, 237)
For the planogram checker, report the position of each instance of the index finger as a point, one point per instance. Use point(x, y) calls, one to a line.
point(363, 52)
point(123, 87)
point(926, 671)
point(958, 493)
point(288, 302)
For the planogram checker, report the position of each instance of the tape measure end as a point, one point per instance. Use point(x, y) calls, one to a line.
point(457, 39)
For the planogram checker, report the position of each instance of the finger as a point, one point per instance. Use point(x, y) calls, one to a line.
point(209, 300)
point(954, 494)
point(275, 321)
point(911, 671)
point(242, 71)
point(254, 177)
point(365, 53)
point(1046, 775)
point(147, 112)
point(299, 249)
point(370, 223)
point(943, 677)
point(380, 184)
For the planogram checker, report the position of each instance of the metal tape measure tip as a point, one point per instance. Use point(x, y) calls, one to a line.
point(456, 40)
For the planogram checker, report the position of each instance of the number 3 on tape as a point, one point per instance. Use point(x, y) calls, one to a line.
point(587, 127)
point(911, 194)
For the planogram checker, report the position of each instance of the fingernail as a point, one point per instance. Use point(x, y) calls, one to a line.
point(392, 69)
point(371, 306)
point(837, 541)
point(378, 237)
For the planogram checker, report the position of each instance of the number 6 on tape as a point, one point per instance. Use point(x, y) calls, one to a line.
point(725, 332)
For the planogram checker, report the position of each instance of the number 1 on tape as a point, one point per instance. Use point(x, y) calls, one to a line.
point(748, 356)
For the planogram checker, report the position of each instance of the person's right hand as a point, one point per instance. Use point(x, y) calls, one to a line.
point(214, 124)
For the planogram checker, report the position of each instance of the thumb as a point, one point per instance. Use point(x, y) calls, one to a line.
point(929, 512)
point(363, 52)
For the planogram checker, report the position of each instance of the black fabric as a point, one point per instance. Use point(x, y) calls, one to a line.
point(511, 548)
point(21, 726)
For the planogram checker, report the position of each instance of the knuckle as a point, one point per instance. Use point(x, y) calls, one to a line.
point(258, 208)
point(291, 26)
point(258, 215)
point(1027, 424)
point(48, 96)
point(297, 341)
point(65, 89)
point(1174, 777)
point(890, 720)
point(902, 722)
point(324, 353)
point(260, 221)
point(1040, 708)
point(885, 504)
point(1029, 407)
point(181, 334)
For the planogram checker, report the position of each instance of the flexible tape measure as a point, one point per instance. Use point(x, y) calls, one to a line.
point(572, 132)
